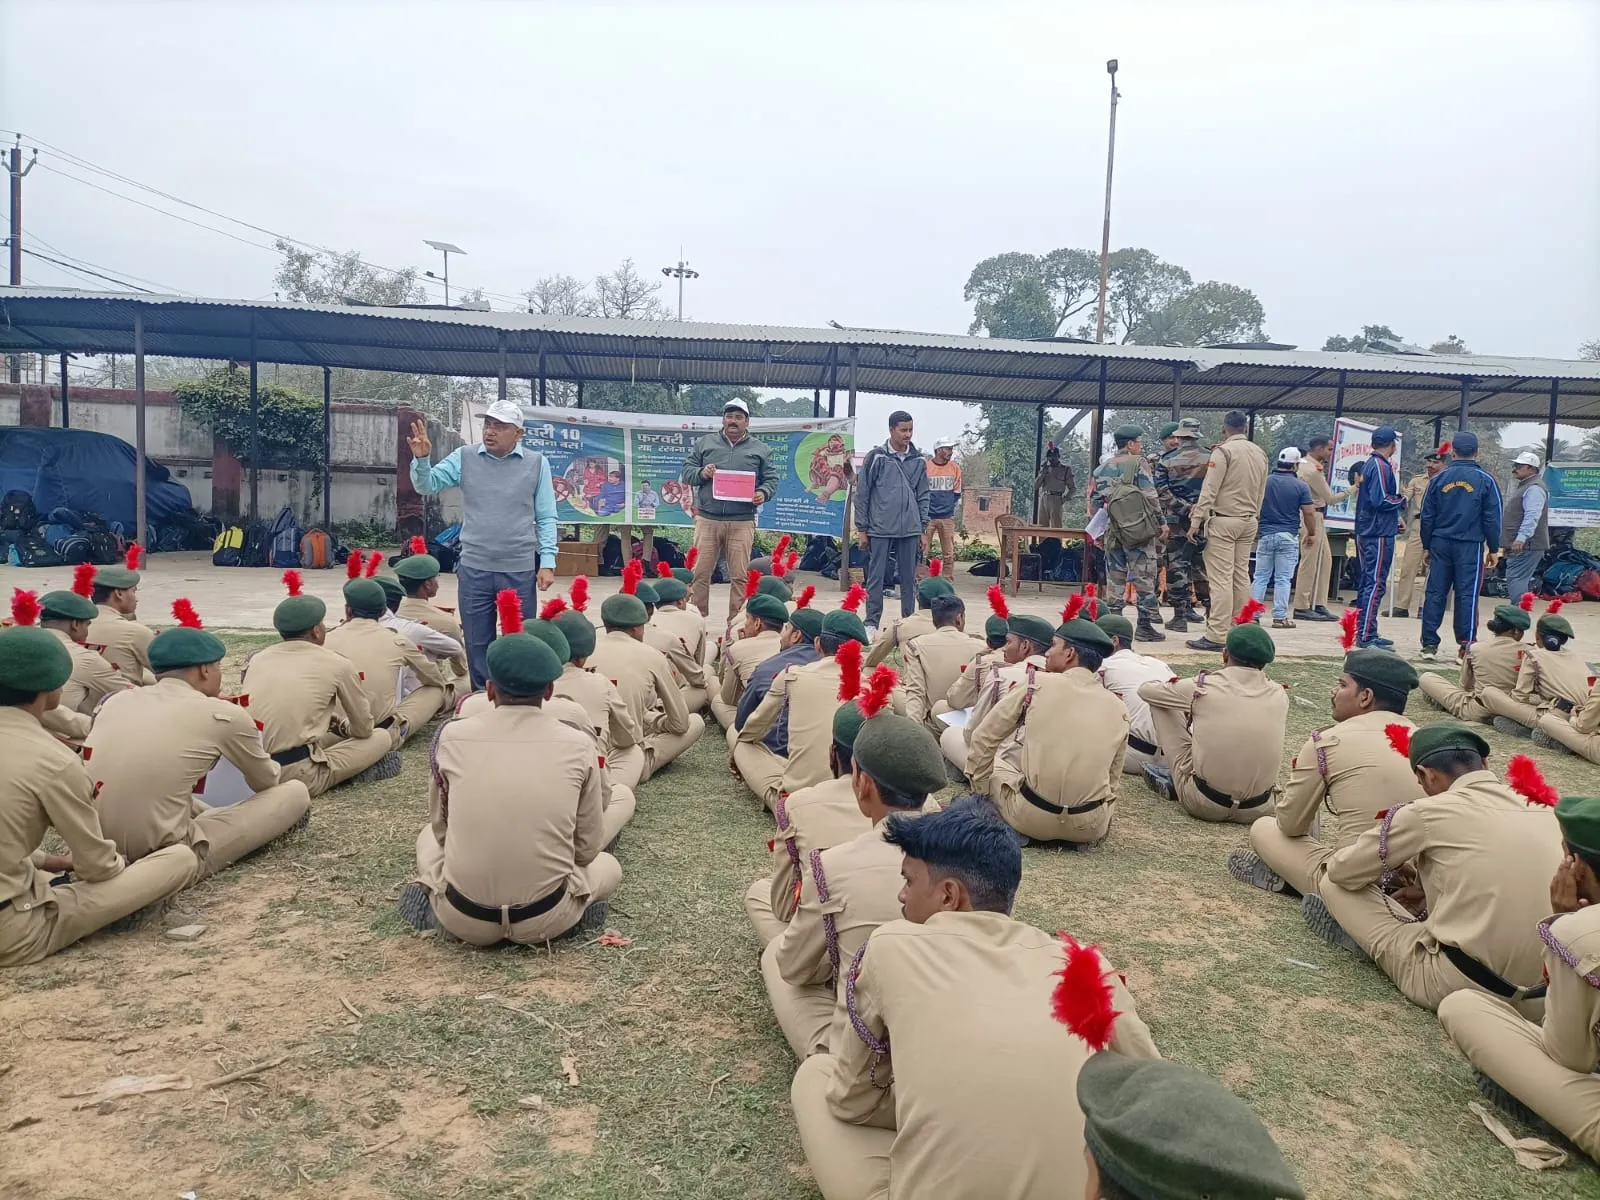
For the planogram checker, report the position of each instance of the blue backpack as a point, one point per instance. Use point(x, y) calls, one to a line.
point(286, 534)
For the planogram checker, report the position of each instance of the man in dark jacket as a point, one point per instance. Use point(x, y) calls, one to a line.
point(892, 501)
point(1460, 520)
point(1378, 508)
point(725, 525)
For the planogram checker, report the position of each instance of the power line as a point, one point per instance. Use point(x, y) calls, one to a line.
point(83, 270)
point(153, 208)
point(34, 236)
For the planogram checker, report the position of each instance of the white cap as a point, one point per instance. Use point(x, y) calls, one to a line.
point(948, 443)
point(1527, 459)
point(1288, 456)
point(737, 403)
point(508, 411)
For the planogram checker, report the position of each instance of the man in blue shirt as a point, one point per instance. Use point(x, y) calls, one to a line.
point(1378, 508)
point(508, 531)
point(1287, 503)
point(1460, 520)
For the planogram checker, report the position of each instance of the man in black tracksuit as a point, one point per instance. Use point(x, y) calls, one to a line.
point(891, 513)
point(1460, 521)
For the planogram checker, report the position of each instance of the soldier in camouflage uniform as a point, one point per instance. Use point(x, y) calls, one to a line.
point(1179, 474)
point(1138, 565)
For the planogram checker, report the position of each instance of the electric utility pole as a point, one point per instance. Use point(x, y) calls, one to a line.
point(16, 170)
point(1105, 230)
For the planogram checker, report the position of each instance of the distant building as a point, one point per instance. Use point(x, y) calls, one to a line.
point(981, 506)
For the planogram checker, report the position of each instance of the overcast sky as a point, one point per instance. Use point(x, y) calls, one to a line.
point(1431, 166)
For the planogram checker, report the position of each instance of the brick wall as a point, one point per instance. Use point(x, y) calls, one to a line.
point(980, 507)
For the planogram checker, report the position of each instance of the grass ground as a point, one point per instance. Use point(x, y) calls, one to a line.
point(419, 1068)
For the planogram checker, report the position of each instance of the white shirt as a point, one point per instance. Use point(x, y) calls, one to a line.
point(437, 646)
point(1123, 673)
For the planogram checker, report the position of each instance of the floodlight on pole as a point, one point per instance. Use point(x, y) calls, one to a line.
point(1105, 230)
point(446, 249)
point(680, 272)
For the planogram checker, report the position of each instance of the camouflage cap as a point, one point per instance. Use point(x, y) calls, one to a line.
point(1188, 427)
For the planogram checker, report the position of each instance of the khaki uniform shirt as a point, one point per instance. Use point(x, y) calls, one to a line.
point(1549, 675)
point(568, 712)
point(811, 694)
point(1415, 488)
point(846, 892)
point(127, 645)
point(296, 688)
point(380, 655)
point(1312, 474)
point(932, 1011)
point(416, 609)
point(681, 636)
point(895, 636)
point(999, 682)
point(814, 818)
point(604, 703)
point(1123, 674)
point(644, 677)
point(1343, 777)
point(1236, 480)
point(1493, 663)
point(1236, 717)
point(963, 693)
point(740, 660)
point(151, 748)
point(930, 665)
point(1484, 857)
point(1571, 1030)
point(44, 786)
point(1067, 740)
point(1586, 718)
point(93, 679)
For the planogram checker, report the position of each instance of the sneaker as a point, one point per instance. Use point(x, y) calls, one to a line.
point(1283, 624)
point(1159, 781)
point(1178, 624)
point(1512, 728)
point(1146, 631)
point(1400, 612)
point(415, 906)
point(386, 767)
point(1202, 643)
point(1248, 868)
point(1320, 921)
point(1543, 739)
point(1377, 643)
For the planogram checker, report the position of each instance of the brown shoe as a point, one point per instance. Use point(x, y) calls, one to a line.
point(1285, 624)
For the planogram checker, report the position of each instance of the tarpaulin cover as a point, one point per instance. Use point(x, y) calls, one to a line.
point(86, 471)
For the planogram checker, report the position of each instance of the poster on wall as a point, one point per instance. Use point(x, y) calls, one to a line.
point(588, 468)
point(1352, 444)
point(1574, 495)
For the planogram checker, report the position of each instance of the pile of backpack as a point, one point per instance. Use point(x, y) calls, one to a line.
point(279, 542)
point(63, 537)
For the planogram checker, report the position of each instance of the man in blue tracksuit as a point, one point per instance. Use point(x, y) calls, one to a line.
point(1460, 520)
point(1378, 510)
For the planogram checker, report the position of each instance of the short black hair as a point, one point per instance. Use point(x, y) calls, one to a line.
point(967, 842)
point(831, 642)
point(1385, 699)
point(1589, 858)
point(1318, 442)
point(1123, 441)
point(899, 801)
point(391, 601)
point(411, 586)
point(847, 755)
point(898, 417)
point(13, 698)
point(1110, 1189)
point(1455, 761)
point(997, 642)
point(1088, 656)
point(1236, 420)
point(946, 610)
point(102, 593)
point(768, 623)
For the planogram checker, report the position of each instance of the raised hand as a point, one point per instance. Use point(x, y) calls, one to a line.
point(421, 447)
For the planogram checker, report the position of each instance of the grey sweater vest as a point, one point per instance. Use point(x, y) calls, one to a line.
point(498, 532)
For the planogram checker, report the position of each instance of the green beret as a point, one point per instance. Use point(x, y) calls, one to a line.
point(365, 597)
point(1510, 614)
point(646, 591)
point(900, 754)
point(808, 621)
point(1088, 633)
point(847, 722)
point(579, 632)
point(623, 611)
point(1250, 645)
point(298, 614)
point(116, 577)
point(174, 649)
point(417, 567)
point(393, 593)
point(845, 624)
point(934, 585)
point(1034, 629)
point(1139, 1122)
point(670, 591)
point(1579, 816)
point(1553, 624)
point(67, 606)
point(1126, 433)
point(767, 608)
point(1167, 430)
point(34, 660)
point(683, 575)
point(995, 632)
point(550, 634)
point(1116, 625)
point(1381, 669)
point(522, 665)
point(1445, 735)
point(771, 585)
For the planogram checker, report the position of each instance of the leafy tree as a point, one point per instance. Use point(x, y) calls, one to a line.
point(1368, 335)
point(1590, 351)
point(1451, 345)
point(1202, 315)
point(289, 429)
point(1139, 285)
point(325, 278)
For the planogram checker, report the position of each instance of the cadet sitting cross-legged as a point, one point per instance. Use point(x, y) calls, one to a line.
point(1492, 663)
point(797, 646)
point(1123, 672)
point(1028, 640)
point(437, 647)
point(758, 640)
point(152, 749)
point(1554, 675)
point(681, 636)
point(1577, 731)
point(67, 616)
point(931, 663)
point(117, 627)
point(621, 738)
point(419, 578)
point(963, 692)
point(45, 786)
point(381, 656)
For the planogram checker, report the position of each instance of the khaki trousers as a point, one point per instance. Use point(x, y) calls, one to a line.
point(1050, 508)
point(761, 770)
point(662, 748)
point(1456, 701)
point(1034, 822)
point(721, 713)
point(343, 761)
point(714, 539)
point(420, 707)
point(1316, 567)
point(1584, 745)
point(1504, 704)
point(804, 1011)
point(694, 699)
point(239, 829)
point(627, 766)
point(848, 1162)
point(1405, 584)
point(1509, 1050)
point(954, 744)
point(1298, 861)
point(1229, 542)
point(758, 903)
point(946, 529)
point(75, 910)
point(1177, 746)
point(1135, 761)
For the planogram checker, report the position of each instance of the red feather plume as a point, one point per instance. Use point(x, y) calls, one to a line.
point(374, 561)
point(509, 605)
point(1399, 738)
point(417, 545)
point(1093, 592)
point(552, 609)
point(663, 570)
point(1252, 609)
point(1082, 1001)
point(185, 614)
point(752, 584)
point(352, 565)
point(1073, 608)
point(293, 581)
point(997, 601)
point(24, 607)
point(936, 567)
point(876, 698)
point(849, 660)
point(791, 561)
point(692, 557)
point(803, 600)
point(1444, 447)
point(135, 553)
point(853, 598)
point(1525, 601)
point(780, 568)
point(631, 574)
point(83, 579)
point(1347, 625)
point(579, 593)
point(1553, 608)
point(782, 547)
point(1522, 773)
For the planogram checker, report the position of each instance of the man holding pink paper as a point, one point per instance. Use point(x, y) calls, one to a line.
point(733, 475)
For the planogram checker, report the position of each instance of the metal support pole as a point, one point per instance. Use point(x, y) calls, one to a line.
point(855, 355)
point(1038, 455)
point(580, 393)
point(1338, 401)
point(1549, 433)
point(1177, 382)
point(543, 398)
point(1466, 402)
point(1438, 432)
point(1105, 230)
point(1097, 430)
point(255, 427)
point(502, 393)
point(833, 382)
point(327, 449)
point(1251, 432)
point(140, 531)
point(816, 402)
point(66, 414)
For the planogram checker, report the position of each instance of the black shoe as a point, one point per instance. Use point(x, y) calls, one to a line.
point(1202, 643)
point(1193, 614)
point(416, 907)
point(1509, 1104)
point(1146, 631)
point(1248, 868)
point(1159, 781)
point(386, 767)
point(1322, 611)
point(1306, 614)
point(1178, 624)
point(593, 919)
point(1512, 728)
point(1401, 612)
point(1322, 923)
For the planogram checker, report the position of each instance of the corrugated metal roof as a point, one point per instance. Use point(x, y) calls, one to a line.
point(937, 366)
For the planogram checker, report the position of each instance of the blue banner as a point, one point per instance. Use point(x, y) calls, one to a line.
point(1574, 494)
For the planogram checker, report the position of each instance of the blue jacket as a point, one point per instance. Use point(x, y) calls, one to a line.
point(798, 655)
point(1381, 502)
point(1462, 503)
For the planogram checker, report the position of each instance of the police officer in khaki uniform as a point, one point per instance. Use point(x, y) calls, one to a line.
point(68, 615)
point(760, 637)
point(1228, 513)
point(152, 748)
point(1222, 731)
point(1486, 664)
point(45, 786)
point(1553, 676)
point(419, 577)
point(897, 634)
point(1473, 854)
point(950, 1075)
point(1028, 640)
point(316, 720)
point(621, 738)
point(380, 655)
point(849, 889)
point(1054, 486)
point(1343, 777)
point(1411, 560)
point(116, 627)
point(644, 677)
point(1311, 581)
point(506, 856)
point(1549, 1068)
point(931, 663)
point(681, 636)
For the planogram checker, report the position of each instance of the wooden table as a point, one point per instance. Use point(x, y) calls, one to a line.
point(1011, 537)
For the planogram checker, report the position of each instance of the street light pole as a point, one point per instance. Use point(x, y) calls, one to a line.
point(680, 272)
point(446, 249)
point(1105, 230)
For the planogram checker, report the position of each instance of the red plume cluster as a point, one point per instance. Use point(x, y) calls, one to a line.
point(509, 605)
point(936, 567)
point(849, 660)
point(1347, 626)
point(185, 614)
point(1553, 608)
point(1082, 1000)
point(791, 561)
point(374, 561)
point(24, 607)
point(1093, 592)
point(83, 579)
point(876, 698)
point(1525, 601)
point(1444, 448)
point(552, 609)
point(135, 551)
point(782, 547)
point(579, 593)
point(752, 584)
point(631, 574)
point(1522, 773)
point(417, 545)
point(853, 598)
point(803, 600)
point(997, 601)
point(780, 567)
point(1400, 738)
point(663, 570)
point(352, 565)
point(1073, 608)
point(692, 557)
point(1252, 609)
point(292, 581)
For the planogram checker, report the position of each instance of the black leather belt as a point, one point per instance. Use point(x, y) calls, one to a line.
point(385, 723)
point(1144, 747)
point(517, 912)
point(1222, 798)
point(1563, 705)
point(1038, 801)
point(1487, 979)
point(287, 758)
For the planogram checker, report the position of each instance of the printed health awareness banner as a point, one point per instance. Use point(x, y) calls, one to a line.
point(1574, 494)
point(1352, 444)
point(625, 468)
